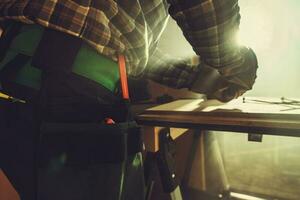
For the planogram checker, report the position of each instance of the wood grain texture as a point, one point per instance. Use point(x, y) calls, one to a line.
point(248, 116)
point(151, 136)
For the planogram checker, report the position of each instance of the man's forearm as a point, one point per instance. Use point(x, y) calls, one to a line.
point(173, 72)
point(211, 28)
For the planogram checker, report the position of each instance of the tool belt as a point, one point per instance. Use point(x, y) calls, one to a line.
point(19, 45)
point(37, 58)
point(77, 158)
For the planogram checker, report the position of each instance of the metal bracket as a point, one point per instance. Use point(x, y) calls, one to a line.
point(166, 161)
point(253, 137)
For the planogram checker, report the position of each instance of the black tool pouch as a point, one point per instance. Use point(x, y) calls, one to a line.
point(81, 156)
point(83, 144)
point(89, 161)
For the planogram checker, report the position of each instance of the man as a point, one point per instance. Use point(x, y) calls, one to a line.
point(107, 29)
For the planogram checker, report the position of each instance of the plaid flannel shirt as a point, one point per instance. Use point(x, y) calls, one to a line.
point(133, 27)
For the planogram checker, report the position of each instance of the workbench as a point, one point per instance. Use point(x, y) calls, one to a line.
point(250, 115)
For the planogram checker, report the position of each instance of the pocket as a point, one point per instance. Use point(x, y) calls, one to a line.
point(83, 144)
point(79, 161)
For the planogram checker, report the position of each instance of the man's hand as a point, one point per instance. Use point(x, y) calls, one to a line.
point(226, 85)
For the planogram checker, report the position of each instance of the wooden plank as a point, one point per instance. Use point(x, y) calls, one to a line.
point(255, 105)
point(7, 191)
point(177, 132)
point(196, 119)
point(195, 113)
point(151, 136)
point(197, 175)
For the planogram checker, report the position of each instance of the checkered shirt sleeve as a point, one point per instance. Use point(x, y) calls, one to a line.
point(210, 26)
point(173, 72)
